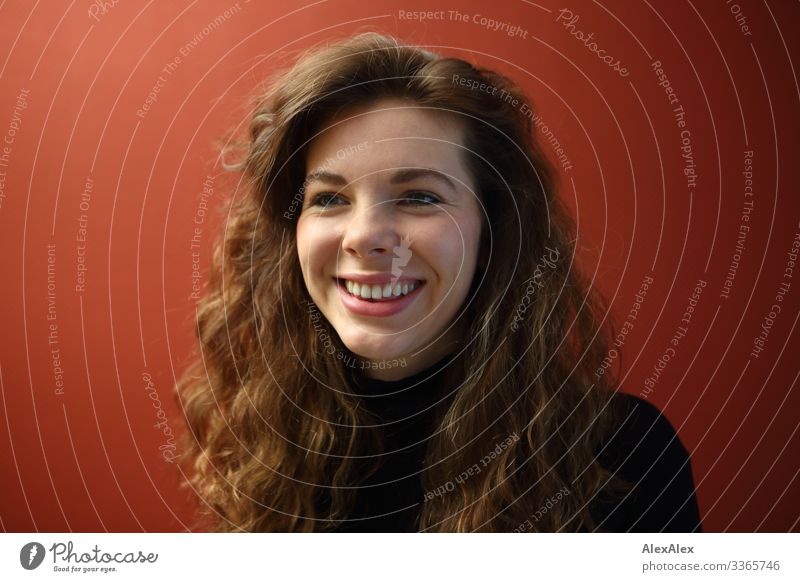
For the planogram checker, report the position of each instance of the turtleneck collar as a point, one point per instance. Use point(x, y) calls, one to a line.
point(397, 400)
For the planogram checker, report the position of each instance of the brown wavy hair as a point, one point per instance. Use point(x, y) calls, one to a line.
point(277, 441)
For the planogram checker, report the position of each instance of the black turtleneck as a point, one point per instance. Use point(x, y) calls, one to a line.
point(643, 449)
point(390, 499)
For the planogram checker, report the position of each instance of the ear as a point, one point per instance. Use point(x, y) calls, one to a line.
point(483, 251)
point(483, 257)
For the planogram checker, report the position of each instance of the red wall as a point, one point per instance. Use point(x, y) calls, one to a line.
point(85, 456)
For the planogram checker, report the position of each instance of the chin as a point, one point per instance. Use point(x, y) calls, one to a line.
point(375, 353)
point(376, 350)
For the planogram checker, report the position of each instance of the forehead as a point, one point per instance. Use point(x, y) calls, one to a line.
point(388, 134)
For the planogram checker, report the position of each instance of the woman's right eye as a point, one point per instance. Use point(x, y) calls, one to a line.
point(326, 200)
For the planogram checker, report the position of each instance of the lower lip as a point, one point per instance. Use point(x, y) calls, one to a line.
point(376, 308)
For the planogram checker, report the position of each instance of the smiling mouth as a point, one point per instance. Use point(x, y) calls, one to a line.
point(379, 293)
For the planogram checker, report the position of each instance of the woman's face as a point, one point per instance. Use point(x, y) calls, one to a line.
point(389, 233)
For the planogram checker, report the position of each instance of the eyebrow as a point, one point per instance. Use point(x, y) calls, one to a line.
point(400, 177)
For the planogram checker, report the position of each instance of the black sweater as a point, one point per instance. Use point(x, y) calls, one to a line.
point(644, 450)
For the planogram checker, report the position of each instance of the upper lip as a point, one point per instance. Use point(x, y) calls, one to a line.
point(376, 278)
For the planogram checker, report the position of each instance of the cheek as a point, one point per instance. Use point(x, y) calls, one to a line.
point(302, 234)
point(456, 248)
point(317, 250)
point(312, 249)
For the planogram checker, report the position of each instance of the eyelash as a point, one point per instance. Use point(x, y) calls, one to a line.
point(435, 200)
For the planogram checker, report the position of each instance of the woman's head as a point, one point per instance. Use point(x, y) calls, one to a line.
point(374, 167)
point(345, 123)
point(388, 237)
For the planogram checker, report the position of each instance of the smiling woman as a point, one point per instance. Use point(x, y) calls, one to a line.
point(394, 214)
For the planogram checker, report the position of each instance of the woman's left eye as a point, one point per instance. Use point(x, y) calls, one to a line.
point(419, 198)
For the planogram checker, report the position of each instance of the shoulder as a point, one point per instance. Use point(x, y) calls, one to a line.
point(643, 449)
point(641, 433)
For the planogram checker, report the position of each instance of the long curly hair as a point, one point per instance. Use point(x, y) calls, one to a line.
point(274, 425)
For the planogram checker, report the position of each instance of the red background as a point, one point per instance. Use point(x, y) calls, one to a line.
point(89, 459)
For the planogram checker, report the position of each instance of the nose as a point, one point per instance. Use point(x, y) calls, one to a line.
point(371, 232)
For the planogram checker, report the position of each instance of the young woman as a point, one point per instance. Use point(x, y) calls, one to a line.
point(397, 337)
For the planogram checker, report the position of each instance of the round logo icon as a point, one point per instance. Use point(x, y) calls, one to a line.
point(31, 555)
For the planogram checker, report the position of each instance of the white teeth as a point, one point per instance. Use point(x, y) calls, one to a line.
point(374, 292)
